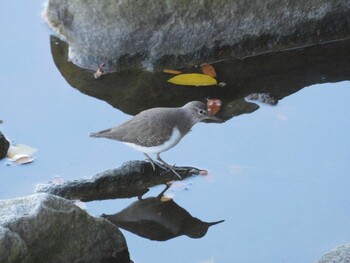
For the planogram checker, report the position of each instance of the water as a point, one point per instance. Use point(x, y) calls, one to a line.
point(278, 176)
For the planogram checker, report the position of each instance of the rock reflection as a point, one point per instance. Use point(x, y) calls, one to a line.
point(158, 219)
point(278, 74)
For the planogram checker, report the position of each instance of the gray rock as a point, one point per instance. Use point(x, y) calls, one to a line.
point(125, 33)
point(4, 146)
point(12, 246)
point(46, 228)
point(339, 254)
point(132, 179)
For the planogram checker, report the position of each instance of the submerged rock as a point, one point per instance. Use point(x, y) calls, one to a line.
point(339, 254)
point(47, 228)
point(4, 146)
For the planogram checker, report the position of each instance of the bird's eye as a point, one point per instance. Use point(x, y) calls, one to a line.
point(202, 112)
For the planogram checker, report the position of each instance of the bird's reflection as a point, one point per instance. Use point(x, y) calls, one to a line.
point(158, 219)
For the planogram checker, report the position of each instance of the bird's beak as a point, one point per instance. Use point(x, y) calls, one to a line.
point(215, 223)
point(212, 118)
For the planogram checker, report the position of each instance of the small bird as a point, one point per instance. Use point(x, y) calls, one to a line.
point(156, 130)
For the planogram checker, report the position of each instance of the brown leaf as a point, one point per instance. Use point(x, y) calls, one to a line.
point(208, 69)
point(23, 159)
point(172, 71)
point(213, 105)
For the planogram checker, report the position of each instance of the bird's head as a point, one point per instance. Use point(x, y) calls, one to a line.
point(199, 112)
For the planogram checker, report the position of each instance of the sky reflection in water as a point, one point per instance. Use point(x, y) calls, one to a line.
point(278, 176)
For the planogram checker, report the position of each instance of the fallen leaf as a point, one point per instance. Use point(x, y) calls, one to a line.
point(213, 105)
point(21, 154)
point(193, 79)
point(208, 69)
point(166, 198)
point(172, 71)
point(20, 149)
point(98, 73)
point(22, 159)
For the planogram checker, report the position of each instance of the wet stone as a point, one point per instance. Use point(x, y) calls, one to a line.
point(339, 254)
point(4, 146)
point(47, 228)
point(156, 34)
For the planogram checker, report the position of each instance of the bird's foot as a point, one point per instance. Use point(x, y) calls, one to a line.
point(170, 167)
point(151, 161)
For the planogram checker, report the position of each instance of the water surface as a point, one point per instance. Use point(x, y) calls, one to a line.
point(278, 176)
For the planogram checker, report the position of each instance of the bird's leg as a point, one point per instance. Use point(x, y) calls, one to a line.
point(162, 193)
point(168, 165)
point(150, 160)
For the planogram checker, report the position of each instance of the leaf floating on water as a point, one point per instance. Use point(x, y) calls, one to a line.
point(208, 69)
point(21, 154)
point(20, 149)
point(22, 159)
point(213, 105)
point(193, 79)
point(172, 71)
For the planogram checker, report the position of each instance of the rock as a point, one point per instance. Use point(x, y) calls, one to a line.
point(339, 254)
point(132, 179)
point(12, 246)
point(46, 228)
point(156, 34)
point(4, 146)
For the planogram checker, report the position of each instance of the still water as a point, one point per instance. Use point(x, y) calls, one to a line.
point(279, 176)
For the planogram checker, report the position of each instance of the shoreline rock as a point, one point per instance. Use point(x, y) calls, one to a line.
point(4, 146)
point(150, 34)
point(46, 228)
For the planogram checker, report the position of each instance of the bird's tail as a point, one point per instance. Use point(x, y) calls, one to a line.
point(100, 133)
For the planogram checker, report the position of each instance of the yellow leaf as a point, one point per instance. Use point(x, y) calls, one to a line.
point(193, 79)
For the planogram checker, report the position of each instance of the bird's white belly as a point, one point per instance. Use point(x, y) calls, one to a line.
point(173, 140)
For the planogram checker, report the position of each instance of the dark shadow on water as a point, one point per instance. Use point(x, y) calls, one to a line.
point(159, 219)
point(277, 73)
